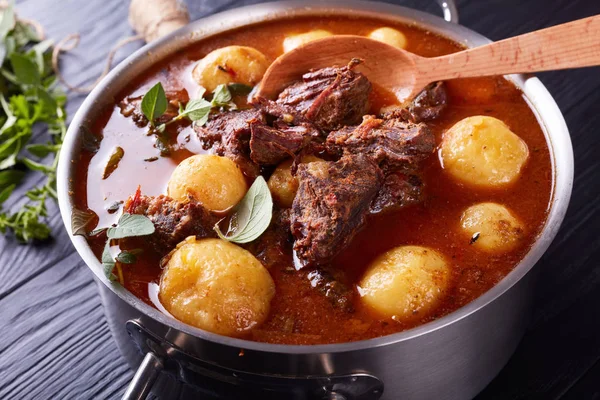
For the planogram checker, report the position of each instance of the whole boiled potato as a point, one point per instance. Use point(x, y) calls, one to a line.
point(216, 286)
point(215, 182)
point(483, 151)
point(391, 36)
point(239, 64)
point(405, 282)
point(283, 184)
point(491, 227)
point(293, 41)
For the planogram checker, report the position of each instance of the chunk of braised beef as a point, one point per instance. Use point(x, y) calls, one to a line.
point(131, 106)
point(332, 288)
point(427, 106)
point(173, 220)
point(279, 112)
point(329, 97)
point(228, 134)
point(331, 205)
point(274, 247)
point(270, 146)
point(392, 144)
point(398, 190)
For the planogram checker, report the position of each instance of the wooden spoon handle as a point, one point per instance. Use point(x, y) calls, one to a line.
point(571, 45)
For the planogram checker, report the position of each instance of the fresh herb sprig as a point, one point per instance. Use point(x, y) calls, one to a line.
point(154, 105)
point(129, 225)
point(29, 96)
point(251, 216)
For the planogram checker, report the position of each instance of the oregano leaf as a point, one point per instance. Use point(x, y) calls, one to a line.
point(25, 70)
point(154, 103)
point(251, 216)
point(126, 257)
point(221, 96)
point(130, 225)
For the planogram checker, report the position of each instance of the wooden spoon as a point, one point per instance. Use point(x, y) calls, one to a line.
point(571, 45)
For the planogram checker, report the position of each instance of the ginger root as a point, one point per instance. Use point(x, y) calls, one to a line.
point(153, 19)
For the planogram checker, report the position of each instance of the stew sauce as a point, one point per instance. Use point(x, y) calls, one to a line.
point(300, 314)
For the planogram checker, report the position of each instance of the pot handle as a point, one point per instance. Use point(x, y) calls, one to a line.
point(144, 378)
point(449, 9)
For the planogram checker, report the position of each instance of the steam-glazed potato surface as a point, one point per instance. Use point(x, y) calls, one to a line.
point(405, 282)
point(283, 185)
point(231, 64)
point(217, 286)
point(492, 227)
point(391, 36)
point(297, 40)
point(215, 182)
point(483, 151)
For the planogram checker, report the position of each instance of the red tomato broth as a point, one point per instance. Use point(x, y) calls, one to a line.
point(434, 224)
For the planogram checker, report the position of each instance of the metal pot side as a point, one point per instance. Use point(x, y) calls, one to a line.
point(453, 357)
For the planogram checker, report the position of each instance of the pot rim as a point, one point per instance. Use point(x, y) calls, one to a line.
point(540, 100)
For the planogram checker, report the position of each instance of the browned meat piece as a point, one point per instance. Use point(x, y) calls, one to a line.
point(398, 191)
point(331, 205)
point(173, 220)
point(273, 248)
point(131, 107)
point(329, 97)
point(228, 134)
point(338, 293)
point(270, 146)
point(282, 113)
point(427, 106)
point(392, 144)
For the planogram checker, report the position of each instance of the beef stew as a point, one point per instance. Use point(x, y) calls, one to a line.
point(369, 190)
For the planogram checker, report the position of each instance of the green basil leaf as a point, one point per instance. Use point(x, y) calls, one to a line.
point(81, 220)
point(239, 89)
point(10, 149)
point(38, 51)
point(6, 192)
point(197, 110)
point(154, 103)
point(251, 216)
point(20, 107)
point(10, 177)
point(36, 166)
point(10, 117)
point(126, 257)
point(130, 225)
point(47, 102)
point(221, 96)
point(10, 160)
point(42, 150)
point(108, 263)
point(25, 70)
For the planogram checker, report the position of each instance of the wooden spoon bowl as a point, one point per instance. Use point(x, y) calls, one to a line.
point(571, 45)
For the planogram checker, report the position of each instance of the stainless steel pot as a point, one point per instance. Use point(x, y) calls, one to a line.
point(453, 357)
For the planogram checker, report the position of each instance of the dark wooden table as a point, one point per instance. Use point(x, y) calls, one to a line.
point(54, 341)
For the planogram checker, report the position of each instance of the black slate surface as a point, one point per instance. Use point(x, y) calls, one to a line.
point(55, 343)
